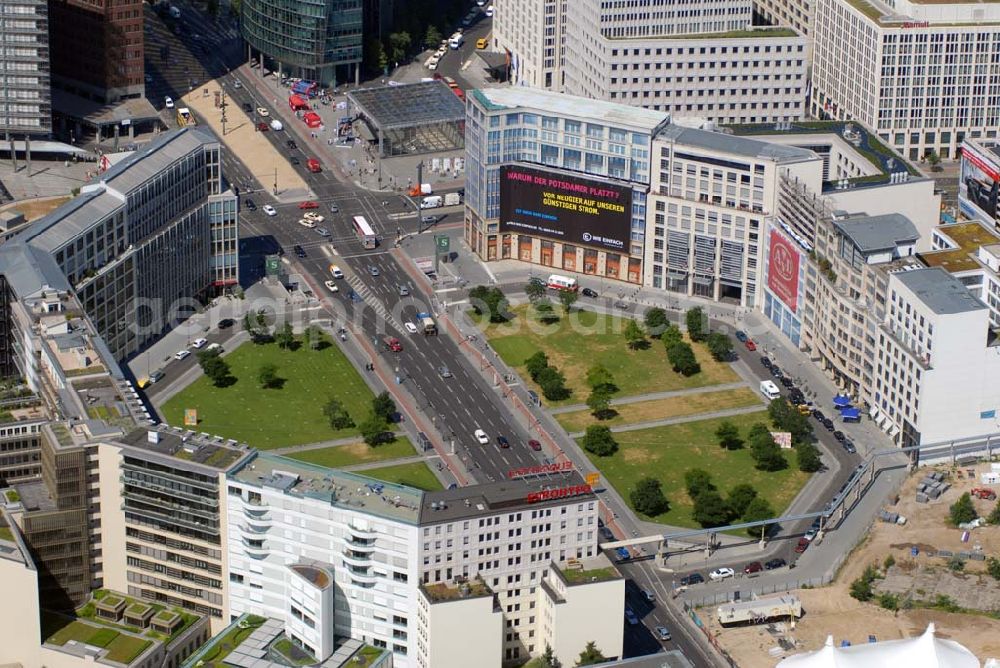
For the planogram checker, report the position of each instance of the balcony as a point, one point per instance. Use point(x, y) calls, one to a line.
point(253, 549)
point(257, 523)
point(363, 534)
point(360, 544)
point(352, 558)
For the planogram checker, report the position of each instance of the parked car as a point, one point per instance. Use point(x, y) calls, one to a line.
point(753, 567)
point(772, 564)
point(181, 354)
point(849, 446)
point(810, 535)
point(199, 343)
point(503, 442)
point(751, 346)
point(692, 579)
point(776, 371)
point(828, 423)
point(802, 546)
point(315, 217)
point(662, 633)
point(535, 445)
point(587, 292)
point(156, 376)
point(787, 382)
point(818, 414)
point(630, 617)
point(721, 574)
point(168, 102)
point(226, 323)
point(305, 222)
point(741, 336)
point(839, 435)
point(323, 232)
point(766, 361)
point(481, 437)
point(309, 204)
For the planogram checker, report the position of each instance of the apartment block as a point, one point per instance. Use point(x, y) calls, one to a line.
point(20, 450)
point(25, 93)
point(690, 59)
point(923, 75)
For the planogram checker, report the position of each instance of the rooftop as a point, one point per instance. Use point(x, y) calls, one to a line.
point(585, 571)
point(453, 591)
point(967, 237)
point(197, 448)
point(592, 111)
point(878, 233)
point(318, 576)
point(341, 488)
point(732, 144)
point(502, 496)
point(941, 292)
point(754, 33)
point(408, 105)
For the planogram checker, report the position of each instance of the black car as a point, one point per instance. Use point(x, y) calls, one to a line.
point(774, 563)
point(776, 371)
point(503, 442)
point(250, 205)
point(849, 446)
point(294, 160)
point(839, 435)
point(828, 423)
point(291, 144)
point(818, 414)
point(816, 523)
point(766, 361)
point(299, 251)
point(786, 381)
point(534, 280)
point(226, 323)
point(693, 578)
point(587, 292)
point(247, 108)
point(795, 396)
point(741, 336)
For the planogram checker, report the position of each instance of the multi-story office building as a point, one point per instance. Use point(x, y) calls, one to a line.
point(157, 229)
point(319, 40)
point(693, 59)
point(25, 94)
point(979, 181)
point(710, 198)
point(797, 14)
point(558, 180)
point(20, 450)
point(97, 48)
point(924, 75)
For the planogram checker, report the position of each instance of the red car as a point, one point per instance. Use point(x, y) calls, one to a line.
point(802, 546)
point(262, 127)
point(535, 445)
point(392, 344)
point(309, 204)
point(751, 346)
point(754, 567)
point(312, 164)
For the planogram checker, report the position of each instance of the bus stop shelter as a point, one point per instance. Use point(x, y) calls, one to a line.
point(411, 119)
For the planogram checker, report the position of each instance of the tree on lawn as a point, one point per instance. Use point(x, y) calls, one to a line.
point(599, 403)
point(267, 376)
point(682, 359)
point(787, 418)
point(545, 312)
point(590, 655)
point(384, 407)
point(553, 384)
point(729, 436)
point(656, 321)
point(284, 336)
point(399, 44)
point(599, 440)
point(432, 37)
point(337, 414)
point(647, 497)
point(567, 298)
point(758, 511)
point(535, 364)
point(671, 335)
point(720, 346)
point(740, 497)
point(808, 457)
point(695, 321)
point(381, 57)
point(374, 430)
point(535, 290)
point(962, 510)
point(711, 510)
point(766, 453)
point(215, 368)
point(598, 377)
point(548, 659)
point(634, 335)
point(698, 481)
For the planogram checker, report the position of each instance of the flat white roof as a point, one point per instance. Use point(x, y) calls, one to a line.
point(586, 109)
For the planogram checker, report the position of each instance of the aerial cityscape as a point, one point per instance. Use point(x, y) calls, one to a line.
point(499, 333)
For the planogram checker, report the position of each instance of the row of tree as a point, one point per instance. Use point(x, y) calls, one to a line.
point(742, 503)
point(375, 428)
point(590, 656)
point(549, 378)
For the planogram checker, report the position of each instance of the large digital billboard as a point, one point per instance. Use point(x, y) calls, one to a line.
point(978, 185)
point(564, 208)
point(783, 270)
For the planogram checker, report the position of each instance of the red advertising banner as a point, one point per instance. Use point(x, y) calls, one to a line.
point(783, 270)
point(560, 467)
point(559, 493)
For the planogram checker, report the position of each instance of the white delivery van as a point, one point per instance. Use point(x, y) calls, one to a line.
point(432, 202)
point(277, 126)
point(456, 40)
point(452, 199)
point(769, 389)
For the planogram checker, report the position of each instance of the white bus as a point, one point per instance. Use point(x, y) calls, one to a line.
point(364, 231)
point(557, 282)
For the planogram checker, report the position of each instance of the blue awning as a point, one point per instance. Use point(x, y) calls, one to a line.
point(841, 400)
point(851, 413)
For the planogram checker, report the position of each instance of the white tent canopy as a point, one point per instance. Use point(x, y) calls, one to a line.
point(924, 651)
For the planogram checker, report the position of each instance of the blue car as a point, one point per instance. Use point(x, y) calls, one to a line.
point(355, 297)
point(623, 553)
point(741, 336)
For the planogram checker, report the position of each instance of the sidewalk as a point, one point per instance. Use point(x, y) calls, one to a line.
point(320, 445)
point(652, 396)
point(400, 461)
point(636, 426)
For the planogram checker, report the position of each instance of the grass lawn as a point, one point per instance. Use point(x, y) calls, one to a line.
point(412, 475)
point(121, 648)
point(289, 415)
point(667, 452)
point(339, 456)
point(658, 409)
point(584, 339)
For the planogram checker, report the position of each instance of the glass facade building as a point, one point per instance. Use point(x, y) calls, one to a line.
point(318, 40)
point(25, 95)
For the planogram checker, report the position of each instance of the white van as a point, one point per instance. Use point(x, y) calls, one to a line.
point(769, 389)
point(277, 126)
point(456, 40)
point(432, 202)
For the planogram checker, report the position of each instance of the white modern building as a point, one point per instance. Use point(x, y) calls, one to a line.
point(924, 75)
point(691, 59)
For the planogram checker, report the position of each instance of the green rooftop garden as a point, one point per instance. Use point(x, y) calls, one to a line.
point(213, 654)
point(121, 647)
point(6, 534)
point(12, 496)
point(366, 656)
point(580, 576)
point(443, 591)
point(292, 653)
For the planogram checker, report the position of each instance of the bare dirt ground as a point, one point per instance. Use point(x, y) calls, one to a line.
point(36, 208)
point(831, 611)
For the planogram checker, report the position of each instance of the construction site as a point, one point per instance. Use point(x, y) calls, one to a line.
point(925, 568)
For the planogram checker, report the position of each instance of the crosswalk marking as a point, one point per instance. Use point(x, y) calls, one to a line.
point(376, 304)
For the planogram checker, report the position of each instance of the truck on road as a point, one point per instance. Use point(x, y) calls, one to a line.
point(452, 199)
point(427, 324)
point(431, 202)
point(769, 389)
point(760, 610)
